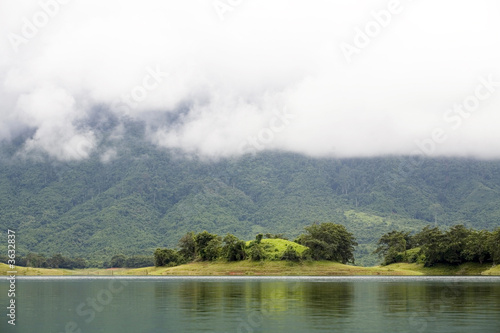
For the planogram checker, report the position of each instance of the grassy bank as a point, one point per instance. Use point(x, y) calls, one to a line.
point(443, 269)
point(269, 268)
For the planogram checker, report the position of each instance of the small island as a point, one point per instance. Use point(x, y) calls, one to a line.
point(326, 249)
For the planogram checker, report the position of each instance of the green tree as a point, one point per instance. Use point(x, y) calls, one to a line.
point(57, 261)
point(213, 249)
point(79, 263)
point(494, 246)
point(290, 254)
point(275, 236)
point(329, 241)
point(234, 248)
point(36, 260)
point(208, 246)
point(166, 257)
point(256, 252)
point(477, 247)
point(118, 261)
point(187, 246)
point(139, 261)
point(454, 244)
point(258, 238)
point(392, 244)
point(431, 241)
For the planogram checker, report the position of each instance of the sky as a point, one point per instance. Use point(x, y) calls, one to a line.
point(324, 78)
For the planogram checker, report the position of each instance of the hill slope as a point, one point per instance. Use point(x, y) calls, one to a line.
point(147, 198)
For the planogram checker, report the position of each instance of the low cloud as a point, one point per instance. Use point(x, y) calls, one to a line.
point(218, 87)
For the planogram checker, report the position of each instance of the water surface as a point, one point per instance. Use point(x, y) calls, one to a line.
point(238, 304)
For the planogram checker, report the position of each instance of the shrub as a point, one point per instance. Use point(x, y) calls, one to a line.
point(290, 254)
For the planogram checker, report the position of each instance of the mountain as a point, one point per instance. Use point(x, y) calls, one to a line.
point(146, 197)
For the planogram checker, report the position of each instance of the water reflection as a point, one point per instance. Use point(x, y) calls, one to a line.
point(262, 305)
point(450, 306)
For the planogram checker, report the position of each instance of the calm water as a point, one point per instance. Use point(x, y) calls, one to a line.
point(360, 304)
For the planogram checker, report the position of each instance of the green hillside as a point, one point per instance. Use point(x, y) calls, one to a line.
point(147, 198)
point(274, 248)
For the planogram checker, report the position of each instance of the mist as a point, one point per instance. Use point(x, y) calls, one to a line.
point(225, 78)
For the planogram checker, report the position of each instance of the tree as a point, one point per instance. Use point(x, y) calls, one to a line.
point(454, 244)
point(256, 252)
point(36, 260)
point(234, 248)
point(258, 238)
point(494, 246)
point(431, 242)
point(477, 247)
point(118, 261)
point(187, 246)
point(290, 254)
point(166, 257)
point(57, 261)
point(275, 236)
point(393, 243)
point(208, 245)
point(4, 259)
point(139, 261)
point(79, 263)
point(213, 249)
point(329, 241)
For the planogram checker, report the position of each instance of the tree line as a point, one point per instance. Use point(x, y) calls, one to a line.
point(432, 246)
point(325, 241)
point(36, 260)
point(41, 261)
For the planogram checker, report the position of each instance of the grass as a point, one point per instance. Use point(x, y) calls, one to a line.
point(442, 269)
point(269, 268)
point(246, 267)
point(34, 271)
point(495, 270)
point(275, 247)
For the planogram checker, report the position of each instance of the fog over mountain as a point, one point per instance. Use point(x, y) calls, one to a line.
point(224, 78)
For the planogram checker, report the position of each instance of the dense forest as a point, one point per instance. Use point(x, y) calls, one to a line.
point(146, 197)
point(431, 246)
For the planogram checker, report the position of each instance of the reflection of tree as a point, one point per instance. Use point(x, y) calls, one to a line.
point(332, 299)
point(438, 303)
point(220, 306)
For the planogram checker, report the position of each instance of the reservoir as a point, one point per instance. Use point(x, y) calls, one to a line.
point(253, 304)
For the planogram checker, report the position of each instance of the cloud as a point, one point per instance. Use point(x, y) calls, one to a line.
point(270, 75)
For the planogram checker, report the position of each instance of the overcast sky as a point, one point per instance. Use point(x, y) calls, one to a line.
point(320, 77)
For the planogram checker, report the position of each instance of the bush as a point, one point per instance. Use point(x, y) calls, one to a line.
point(290, 254)
point(139, 261)
point(256, 252)
point(166, 257)
point(234, 249)
point(118, 261)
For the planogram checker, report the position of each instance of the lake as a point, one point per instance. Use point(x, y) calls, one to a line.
point(253, 304)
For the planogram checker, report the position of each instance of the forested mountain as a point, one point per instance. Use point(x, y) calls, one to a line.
point(147, 197)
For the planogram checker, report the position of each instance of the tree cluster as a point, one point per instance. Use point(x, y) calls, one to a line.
point(56, 261)
point(329, 241)
point(120, 260)
point(454, 246)
point(326, 241)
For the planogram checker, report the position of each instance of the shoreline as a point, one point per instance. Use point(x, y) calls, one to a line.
point(268, 269)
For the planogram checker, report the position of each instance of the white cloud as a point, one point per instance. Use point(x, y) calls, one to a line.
point(234, 75)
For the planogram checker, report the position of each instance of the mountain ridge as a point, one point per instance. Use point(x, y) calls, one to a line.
point(148, 197)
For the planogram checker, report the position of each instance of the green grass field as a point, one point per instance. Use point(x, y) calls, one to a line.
point(269, 268)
